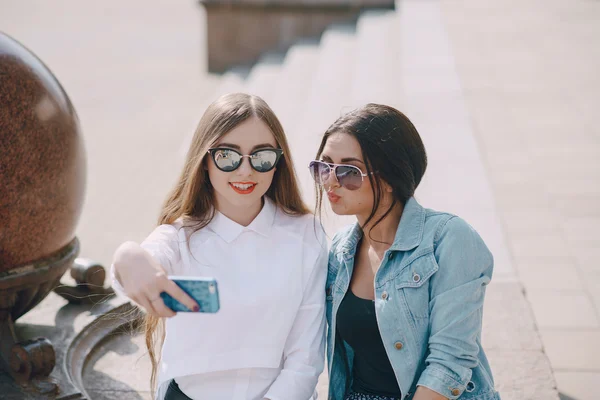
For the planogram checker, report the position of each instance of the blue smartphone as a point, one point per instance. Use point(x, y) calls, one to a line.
point(204, 290)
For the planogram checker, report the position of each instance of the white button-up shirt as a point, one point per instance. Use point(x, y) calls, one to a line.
point(267, 340)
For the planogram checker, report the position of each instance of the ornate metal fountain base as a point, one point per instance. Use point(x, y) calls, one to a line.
point(31, 363)
point(82, 333)
point(89, 277)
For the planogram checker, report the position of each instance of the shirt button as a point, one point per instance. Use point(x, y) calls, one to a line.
point(384, 295)
point(398, 346)
point(455, 392)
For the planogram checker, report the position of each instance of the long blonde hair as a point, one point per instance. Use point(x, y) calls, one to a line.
point(192, 197)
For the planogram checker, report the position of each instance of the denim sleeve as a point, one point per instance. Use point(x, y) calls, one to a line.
point(456, 308)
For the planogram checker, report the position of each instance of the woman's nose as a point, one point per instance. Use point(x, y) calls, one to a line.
point(330, 180)
point(245, 168)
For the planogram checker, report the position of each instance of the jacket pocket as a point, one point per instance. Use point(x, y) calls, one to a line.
point(413, 284)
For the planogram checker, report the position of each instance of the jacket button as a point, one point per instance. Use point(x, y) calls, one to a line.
point(455, 392)
point(384, 295)
point(416, 277)
point(398, 346)
point(470, 387)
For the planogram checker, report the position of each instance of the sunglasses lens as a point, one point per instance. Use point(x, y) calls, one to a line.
point(349, 177)
point(226, 160)
point(264, 160)
point(319, 171)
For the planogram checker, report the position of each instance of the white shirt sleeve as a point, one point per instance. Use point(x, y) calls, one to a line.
point(163, 246)
point(304, 352)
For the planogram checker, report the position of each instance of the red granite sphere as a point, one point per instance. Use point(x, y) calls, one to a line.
point(42, 160)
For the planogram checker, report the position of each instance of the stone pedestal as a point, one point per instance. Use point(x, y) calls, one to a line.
point(42, 184)
point(239, 31)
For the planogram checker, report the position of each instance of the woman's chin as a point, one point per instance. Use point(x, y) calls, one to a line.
point(339, 209)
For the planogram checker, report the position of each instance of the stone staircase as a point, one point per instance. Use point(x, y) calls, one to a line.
point(402, 58)
point(398, 58)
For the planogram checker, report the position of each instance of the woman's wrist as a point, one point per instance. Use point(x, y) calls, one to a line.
point(129, 256)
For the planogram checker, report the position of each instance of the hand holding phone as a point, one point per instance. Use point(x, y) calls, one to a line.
point(143, 279)
point(203, 290)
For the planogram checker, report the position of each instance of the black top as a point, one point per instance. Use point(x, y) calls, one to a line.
point(357, 325)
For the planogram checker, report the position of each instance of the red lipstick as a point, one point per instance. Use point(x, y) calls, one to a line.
point(243, 187)
point(333, 198)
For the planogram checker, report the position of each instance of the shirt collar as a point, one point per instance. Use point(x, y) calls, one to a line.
point(408, 235)
point(229, 230)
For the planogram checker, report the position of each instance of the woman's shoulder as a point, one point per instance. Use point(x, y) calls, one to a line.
point(163, 231)
point(295, 223)
point(438, 225)
point(441, 225)
point(175, 231)
point(455, 242)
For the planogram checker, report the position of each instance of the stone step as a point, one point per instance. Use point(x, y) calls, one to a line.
point(291, 87)
point(327, 99)
point(376, 78)
point(232, 81)
point(456, 179)
point(264, 74)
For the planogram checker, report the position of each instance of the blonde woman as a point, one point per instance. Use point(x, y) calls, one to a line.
point(235, 215)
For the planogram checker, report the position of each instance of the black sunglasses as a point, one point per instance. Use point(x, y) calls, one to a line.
point(228, 160)
point(348, 176)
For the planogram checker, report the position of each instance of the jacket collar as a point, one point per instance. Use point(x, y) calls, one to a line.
point(408, 235)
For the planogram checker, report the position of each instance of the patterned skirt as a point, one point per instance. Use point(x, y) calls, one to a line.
point(361, 396)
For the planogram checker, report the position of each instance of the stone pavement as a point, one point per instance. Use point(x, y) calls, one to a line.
point(502, 92)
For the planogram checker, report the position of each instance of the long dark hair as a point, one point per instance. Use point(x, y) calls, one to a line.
point(391, 147)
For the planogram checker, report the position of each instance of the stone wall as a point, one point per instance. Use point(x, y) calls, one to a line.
point(239, 31)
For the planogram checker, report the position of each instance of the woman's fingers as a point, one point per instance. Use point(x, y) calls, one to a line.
point(148, 293)
point(147, 305)
point(161, 309)
point(151, 301)
point(178, 294)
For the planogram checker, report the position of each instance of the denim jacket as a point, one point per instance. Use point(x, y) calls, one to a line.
point(429, 293)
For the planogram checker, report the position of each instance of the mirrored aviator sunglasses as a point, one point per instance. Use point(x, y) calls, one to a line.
point(348, 176)
point(228, 160)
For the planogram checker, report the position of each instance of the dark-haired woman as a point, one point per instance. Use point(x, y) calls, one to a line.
point(406, 284)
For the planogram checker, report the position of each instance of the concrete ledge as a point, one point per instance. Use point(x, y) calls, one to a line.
point(239, 31)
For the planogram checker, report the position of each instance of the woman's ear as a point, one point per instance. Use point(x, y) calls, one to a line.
point(387, 187)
